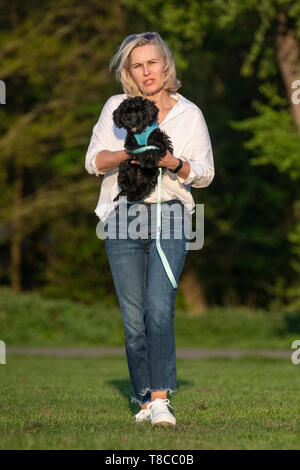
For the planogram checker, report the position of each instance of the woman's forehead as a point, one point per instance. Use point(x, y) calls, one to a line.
point(143, 53)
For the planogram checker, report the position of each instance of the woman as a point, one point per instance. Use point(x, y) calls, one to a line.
point(146, 68)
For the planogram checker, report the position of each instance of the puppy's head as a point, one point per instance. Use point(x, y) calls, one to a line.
point(134, 114)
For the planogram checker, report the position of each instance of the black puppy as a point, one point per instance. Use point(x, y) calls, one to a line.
point(139, 117)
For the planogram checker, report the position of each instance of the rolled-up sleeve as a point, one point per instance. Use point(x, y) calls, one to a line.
point(199, 155)
point(102, 136)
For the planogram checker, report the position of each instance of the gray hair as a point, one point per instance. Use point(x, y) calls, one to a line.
point(122, 72)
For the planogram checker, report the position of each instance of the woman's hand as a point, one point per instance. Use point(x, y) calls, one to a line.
point(169, 161)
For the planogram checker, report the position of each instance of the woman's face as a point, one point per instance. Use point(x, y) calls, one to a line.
point(146, 67)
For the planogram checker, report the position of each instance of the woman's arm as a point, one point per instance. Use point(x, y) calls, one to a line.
point(198, 154)
point(107, 160)
point(98, 159)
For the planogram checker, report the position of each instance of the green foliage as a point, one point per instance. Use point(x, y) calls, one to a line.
point(184, 24)
point(274, 135)
point(55, 65)
point(30, 319)
point(54, 59)
point(275, 141)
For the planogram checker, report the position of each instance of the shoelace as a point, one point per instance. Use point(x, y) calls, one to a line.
point(141, 413)
point(165, 401)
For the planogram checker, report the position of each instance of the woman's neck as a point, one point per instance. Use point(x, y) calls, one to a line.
point(162, 99)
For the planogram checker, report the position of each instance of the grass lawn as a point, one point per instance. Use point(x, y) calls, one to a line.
point(84, 403)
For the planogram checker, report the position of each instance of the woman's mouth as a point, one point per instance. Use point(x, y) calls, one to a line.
point(148, 82)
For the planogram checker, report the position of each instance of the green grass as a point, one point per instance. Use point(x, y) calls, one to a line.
point(27, 319)
point(84, 403)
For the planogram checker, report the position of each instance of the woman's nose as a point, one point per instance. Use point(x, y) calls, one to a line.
point(146, 70)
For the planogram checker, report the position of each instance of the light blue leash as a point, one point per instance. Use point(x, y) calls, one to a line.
point(158, 230)
point(142, 139)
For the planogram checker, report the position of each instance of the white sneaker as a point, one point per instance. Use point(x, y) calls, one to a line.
point(160, 415)
point(143, 415)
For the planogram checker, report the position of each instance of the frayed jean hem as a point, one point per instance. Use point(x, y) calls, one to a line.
point(149, 390)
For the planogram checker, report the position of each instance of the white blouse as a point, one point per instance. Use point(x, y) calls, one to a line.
point(187, 129)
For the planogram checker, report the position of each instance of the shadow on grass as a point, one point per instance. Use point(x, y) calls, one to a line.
point(124, 388)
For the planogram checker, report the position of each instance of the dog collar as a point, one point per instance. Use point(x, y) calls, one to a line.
point(146, 147)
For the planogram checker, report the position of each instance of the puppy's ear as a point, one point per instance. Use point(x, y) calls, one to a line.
point(117, 117)
point(151, 110)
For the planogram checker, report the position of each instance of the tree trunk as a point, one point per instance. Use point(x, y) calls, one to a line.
point(15, 247)
point(193, 293)
point(288, 56)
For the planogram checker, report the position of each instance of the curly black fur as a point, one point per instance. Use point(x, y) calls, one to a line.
point(136, 182)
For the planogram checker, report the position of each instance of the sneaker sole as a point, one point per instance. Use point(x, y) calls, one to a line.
point(163, 424)
point(164, 421)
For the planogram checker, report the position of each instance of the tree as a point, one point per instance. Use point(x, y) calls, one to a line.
point(265, 36)
point(54, 60)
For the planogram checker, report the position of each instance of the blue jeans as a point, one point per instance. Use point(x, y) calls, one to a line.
point(147, 299)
